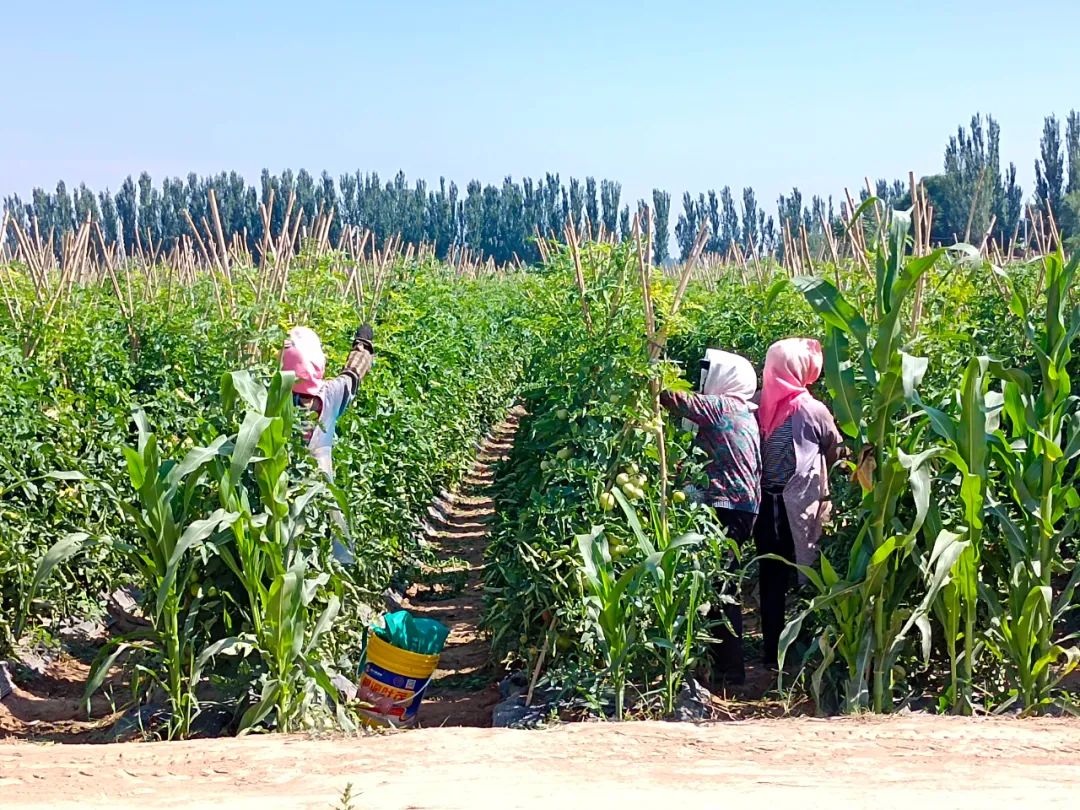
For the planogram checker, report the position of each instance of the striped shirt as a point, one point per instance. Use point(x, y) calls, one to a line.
point(778, 458)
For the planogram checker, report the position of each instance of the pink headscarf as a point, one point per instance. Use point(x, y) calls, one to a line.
point(790, 366)
point(303, 356)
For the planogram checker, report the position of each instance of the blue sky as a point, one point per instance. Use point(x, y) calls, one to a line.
point(680, 95)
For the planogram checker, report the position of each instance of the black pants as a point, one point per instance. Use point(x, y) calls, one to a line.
point(772, 535)
point(727, 654)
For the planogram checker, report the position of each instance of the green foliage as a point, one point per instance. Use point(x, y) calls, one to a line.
point(225, 531)
point(1035, 500)
point(171, 528)
point(621, 588)
point(980, 554)
point(951, 555)
point(873, 382)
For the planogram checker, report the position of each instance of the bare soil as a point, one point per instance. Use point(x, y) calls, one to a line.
point(465, 689)
point(49, 707)
point(909, 762)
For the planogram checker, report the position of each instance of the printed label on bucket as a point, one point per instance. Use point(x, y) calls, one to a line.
point(393, 696)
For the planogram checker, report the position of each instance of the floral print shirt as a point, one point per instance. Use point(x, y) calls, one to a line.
point(728, 432)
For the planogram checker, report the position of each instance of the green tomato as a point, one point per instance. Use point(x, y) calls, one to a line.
point(562, 413)
point(632, 492)
point(640, 480)
point(632, 468)
point(607, 501)
point(564, 454)
point(678, 496)
point(622, 478)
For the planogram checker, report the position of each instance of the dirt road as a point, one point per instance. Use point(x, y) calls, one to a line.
point(914, 763)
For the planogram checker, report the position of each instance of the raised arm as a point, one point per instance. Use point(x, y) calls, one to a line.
point(360, 358)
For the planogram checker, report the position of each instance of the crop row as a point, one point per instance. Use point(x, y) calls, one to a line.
point(206, 504)
point(949, 570)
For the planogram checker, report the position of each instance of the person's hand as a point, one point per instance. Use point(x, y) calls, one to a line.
point(363, 338)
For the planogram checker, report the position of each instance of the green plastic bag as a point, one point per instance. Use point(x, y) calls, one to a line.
point(424, 636)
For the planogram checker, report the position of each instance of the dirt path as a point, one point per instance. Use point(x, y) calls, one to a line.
point(910, 762)
point(464, 691)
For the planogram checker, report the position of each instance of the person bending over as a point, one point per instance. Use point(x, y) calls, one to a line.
point(728, 432)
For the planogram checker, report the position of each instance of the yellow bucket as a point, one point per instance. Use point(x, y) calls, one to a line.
point(394, 682)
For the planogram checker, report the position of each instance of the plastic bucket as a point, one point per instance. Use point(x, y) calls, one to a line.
point(394, 682)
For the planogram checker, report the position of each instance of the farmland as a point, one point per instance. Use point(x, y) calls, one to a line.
point(152, 445)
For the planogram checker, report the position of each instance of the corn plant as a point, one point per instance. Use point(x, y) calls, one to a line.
point(1036, 504)
point(272, 554)
point(966, 448)
point(168, 500)
point(673, 588)
point(58, 553)
point(612, 606)
point(868, 613)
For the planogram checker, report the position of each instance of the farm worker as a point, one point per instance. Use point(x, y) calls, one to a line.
point(799, 443)
point(327, 398)
point(728, 432)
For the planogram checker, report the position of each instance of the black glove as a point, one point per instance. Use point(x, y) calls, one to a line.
point(362, 338)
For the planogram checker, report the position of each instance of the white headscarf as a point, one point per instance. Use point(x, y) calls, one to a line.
point(729, 375)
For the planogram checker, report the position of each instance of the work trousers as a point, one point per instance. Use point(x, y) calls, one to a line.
point(727, 654)
point(772, 535)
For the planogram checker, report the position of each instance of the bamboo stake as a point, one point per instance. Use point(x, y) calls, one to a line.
point(986, 235)
point(830, 242)
point(579, 276)
point(540, 660)
point(855, 234)
point(974, 201)
point(206, 258)
point(32, 260)
point(1015, 236)
point(10, 299)
point(1055, 235)
point(806, 247)
point(877, 211)
point(916, 210)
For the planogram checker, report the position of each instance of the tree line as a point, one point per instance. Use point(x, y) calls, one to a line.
point(973, 198)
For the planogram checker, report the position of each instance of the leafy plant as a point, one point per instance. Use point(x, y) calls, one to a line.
point(168, 499)
point(967, 441)
point(1036, 503)
point(270, 555)
point(612, 607)
point(872, 381)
